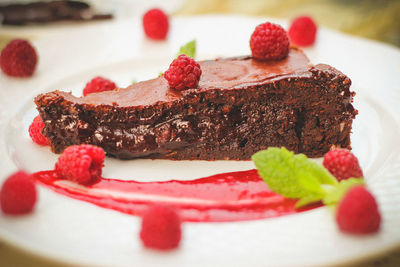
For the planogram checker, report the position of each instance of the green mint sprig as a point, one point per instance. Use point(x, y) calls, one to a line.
point(188, 49)
point(339, 191)
point(296, 176)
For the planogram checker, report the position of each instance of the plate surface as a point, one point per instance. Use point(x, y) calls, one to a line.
point(76, 232)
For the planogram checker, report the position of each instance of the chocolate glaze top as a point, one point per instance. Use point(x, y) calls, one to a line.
point(221, 74)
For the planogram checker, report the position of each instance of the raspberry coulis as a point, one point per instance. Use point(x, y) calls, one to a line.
point(234, 196)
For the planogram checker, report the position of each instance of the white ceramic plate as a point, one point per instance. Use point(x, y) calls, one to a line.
point(76, 232)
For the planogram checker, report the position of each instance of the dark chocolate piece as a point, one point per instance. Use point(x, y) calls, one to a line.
point(45, 11)
point(241, 106)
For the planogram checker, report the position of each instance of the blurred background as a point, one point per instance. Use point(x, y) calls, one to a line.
point(373, 19)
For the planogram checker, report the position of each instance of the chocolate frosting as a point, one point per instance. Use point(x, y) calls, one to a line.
point(222, 74)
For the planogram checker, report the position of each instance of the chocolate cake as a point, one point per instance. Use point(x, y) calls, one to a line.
point(241, 106)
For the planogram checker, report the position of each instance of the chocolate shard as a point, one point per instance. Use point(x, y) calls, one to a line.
point(48, 11)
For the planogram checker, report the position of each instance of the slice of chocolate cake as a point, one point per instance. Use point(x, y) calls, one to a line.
point(241, 106)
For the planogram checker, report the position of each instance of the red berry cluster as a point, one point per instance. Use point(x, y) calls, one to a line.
point(161, 228)
point(81, 163)
point(183, 73)
point(35, 132)
point(357, 212)
point(18, 194)
point(342, 164)
point(269, 42)
point(18, 58)
point(155, 24)
point(98, 84)
point(303, 31)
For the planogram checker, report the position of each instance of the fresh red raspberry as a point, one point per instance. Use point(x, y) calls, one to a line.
point(342, 164)
point(98, 84)
point(302, 31)
point(358, 212)
point(35, 132)
point(269, 42)
point(183, 73)
point(161, 228)
point(81, 163)
point(18, 58)
point(18, 194)
point(155, 24)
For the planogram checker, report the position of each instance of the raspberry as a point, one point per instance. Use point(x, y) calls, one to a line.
point(161, 228)
point(35, 132)
point(18, 58)
point(98, 84)
point(358, 212)
point(81, 163)
point(303, 30)
point(155, 24)
point(269, 42)
point(342, 164)
point(183, 73)
point(18, 194)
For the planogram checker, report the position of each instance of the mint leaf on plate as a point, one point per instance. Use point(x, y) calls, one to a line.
point(337, 193)
point(293, 176)
point(296, 176)
point(277, 168)
point(315, 170)
point(188, 49)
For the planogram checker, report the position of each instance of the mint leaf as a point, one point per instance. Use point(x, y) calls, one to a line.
point(277, 168)
point(188, 49)
point(310, 183)
point(293, 176)
point(304, 201)
point(160, 74)
point(337, 193)
point(315, 169)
